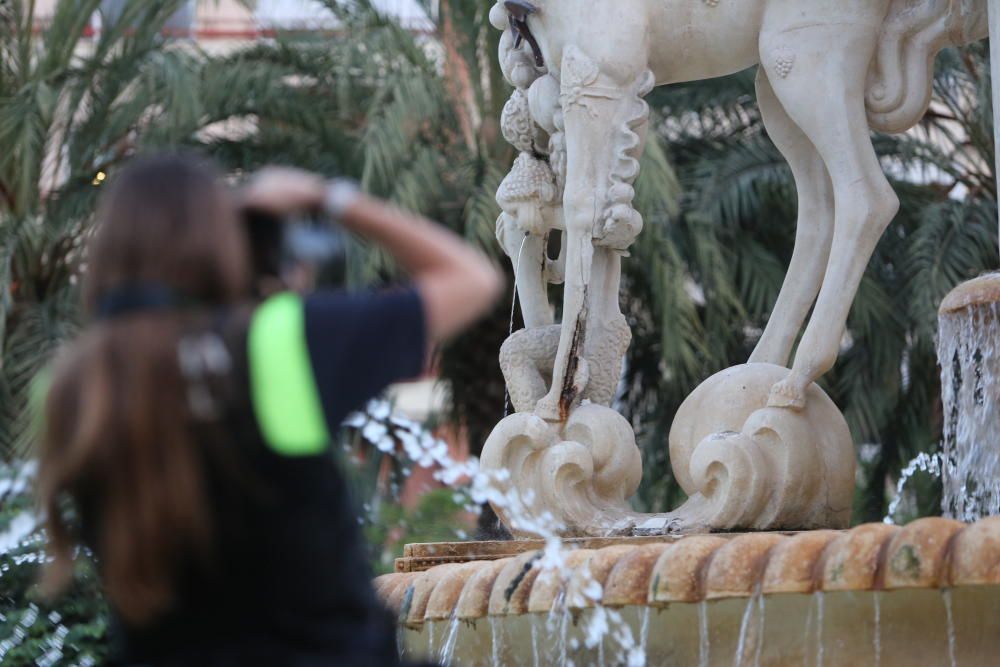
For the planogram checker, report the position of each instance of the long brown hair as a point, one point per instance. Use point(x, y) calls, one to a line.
point(118, 443)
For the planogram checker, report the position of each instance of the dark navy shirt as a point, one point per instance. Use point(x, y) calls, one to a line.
point(290, 583)
point(360, 344)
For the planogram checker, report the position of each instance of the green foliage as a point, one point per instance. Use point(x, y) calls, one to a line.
point(68, 115)
point(73, 108)
point(434, 519)
point(34, 630)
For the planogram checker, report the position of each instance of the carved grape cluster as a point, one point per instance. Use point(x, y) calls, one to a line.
point(516, 123)
point(530, 179)
point(783, 63)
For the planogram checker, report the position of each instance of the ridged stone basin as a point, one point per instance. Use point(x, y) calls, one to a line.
point(925, 594)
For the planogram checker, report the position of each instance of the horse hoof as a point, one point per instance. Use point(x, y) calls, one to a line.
point(548, 409)
point(790, 393)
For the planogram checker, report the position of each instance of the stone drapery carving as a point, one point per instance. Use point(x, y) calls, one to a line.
point(759, 446)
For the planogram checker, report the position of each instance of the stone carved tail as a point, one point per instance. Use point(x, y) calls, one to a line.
point(899, 84)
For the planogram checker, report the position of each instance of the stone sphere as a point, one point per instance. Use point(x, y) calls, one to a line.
point(725, 402)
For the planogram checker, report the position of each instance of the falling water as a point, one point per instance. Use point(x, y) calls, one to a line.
point(448, 648)
point(496, 631)
point(534, 640)
point(929, 463)
point(644, 633)
point(430, 639)
point(806, 638)
point(762, 611)
point(744, 627)
point(401, 640)
point(564, 621)
point(557, 625)
point(970, 366)
point(819, 628)
point(703, 643)
point(878, 628)
point(952, 643)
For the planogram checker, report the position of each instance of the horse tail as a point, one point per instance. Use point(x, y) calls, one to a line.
point(899, 83)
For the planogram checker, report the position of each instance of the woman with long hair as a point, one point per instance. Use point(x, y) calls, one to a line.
point(185, 432)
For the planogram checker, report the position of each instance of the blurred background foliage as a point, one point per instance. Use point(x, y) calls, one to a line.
point(414, 117)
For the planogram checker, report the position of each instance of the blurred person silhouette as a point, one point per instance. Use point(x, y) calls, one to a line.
point(185, 433)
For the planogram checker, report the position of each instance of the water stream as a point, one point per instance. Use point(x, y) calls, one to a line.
point(448, 648)
point(704, 645)
point(401, 639)
point(807, 635)
point(644, 633)
point(952, 643)
point(535, 621)
point(819, 628)
point(744, 630)
point(923, 462)
point(878, 628)
point(556, 625)
point(762, 610)
point(497, 635)
point(970, 366)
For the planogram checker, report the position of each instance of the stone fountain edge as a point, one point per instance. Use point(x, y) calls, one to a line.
point(933, 553)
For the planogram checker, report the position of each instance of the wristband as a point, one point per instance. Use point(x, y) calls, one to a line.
point(341, 194)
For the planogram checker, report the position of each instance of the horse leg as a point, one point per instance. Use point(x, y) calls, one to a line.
point(830, 63)
point(814, 231)
point(604, 122)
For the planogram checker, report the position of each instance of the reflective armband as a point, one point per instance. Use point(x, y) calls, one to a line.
point(283, 387)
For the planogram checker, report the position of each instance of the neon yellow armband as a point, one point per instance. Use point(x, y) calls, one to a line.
point(283, 388)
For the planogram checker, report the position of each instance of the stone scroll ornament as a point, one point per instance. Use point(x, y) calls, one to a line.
point(758, 446)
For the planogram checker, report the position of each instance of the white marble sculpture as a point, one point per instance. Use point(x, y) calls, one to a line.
point(759, 446)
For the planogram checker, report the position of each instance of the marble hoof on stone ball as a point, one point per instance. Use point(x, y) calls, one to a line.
point(746, 466)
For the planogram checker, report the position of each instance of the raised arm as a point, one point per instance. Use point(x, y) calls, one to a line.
point(457, 283)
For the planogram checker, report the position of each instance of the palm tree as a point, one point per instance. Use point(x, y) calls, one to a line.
point(67, 116)
point(74, 106)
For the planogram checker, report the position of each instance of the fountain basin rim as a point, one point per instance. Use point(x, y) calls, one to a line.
point(932, 553)
point(984, 290)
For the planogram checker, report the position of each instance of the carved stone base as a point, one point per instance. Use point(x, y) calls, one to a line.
point(572, 480)
point(744, 466)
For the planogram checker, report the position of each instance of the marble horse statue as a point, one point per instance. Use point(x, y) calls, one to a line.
point(758, 446)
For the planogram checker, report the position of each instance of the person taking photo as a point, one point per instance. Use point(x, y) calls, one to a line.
point(185, 433)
